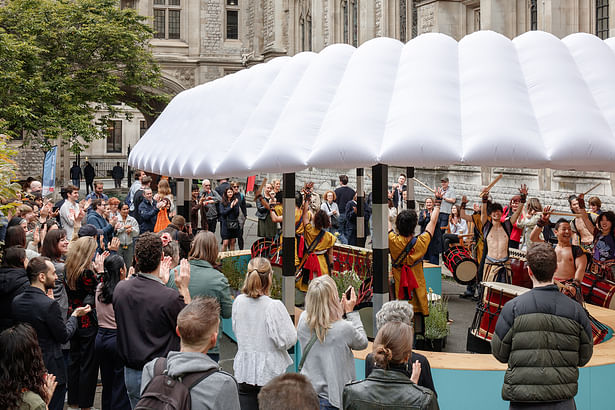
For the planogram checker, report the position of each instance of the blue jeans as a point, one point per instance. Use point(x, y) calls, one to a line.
point(76, 182)
point(342, 229)
point(132, 378)
point(325, 405)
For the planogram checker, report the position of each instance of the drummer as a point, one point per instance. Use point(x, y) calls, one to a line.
point(571, 259)
point(478, 239)
point(407, 253)
point(497, 237)
point(317, 256)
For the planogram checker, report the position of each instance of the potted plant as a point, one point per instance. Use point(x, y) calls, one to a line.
point(363, 289)
point(436, 326)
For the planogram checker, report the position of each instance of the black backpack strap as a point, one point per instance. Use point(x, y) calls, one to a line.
point(398, 261)
point(160, 365)
point(192, 379)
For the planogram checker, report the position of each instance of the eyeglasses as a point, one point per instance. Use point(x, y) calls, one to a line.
point(206, 184)
point(235, 187)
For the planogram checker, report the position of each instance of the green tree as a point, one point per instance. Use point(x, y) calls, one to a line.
point(61, 61)
point(8, 188)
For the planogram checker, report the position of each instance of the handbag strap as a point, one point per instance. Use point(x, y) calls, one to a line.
point(306, 351)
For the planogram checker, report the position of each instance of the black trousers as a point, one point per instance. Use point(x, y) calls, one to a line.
point(114, 395)
point(57, 400)
point(89, 185)
point(248, 396)
point(83, 368)
point(211, 225)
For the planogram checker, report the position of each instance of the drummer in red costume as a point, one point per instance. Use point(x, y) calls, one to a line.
point(407, 253)
point(317, 257)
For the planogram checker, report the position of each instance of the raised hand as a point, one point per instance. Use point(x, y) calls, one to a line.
point(438, 193)
point(115, 244)
point(165, 267)
point(416, 372)
point(49, 387)
point(183, 279)
point(523, 192)
point(99, 262)
point(131, 272)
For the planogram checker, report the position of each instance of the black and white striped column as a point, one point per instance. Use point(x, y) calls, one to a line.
point(360, 207)
point(288, 245)
point(410, 201)
point(380, 241)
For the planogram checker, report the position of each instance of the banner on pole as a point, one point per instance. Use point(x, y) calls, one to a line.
point(250, 183)
point(49, 171)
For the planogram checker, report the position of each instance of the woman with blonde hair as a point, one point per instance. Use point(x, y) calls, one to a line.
point(531, 214)
point(390, 383)
point(82, 278)
point(328, 331)
point(264, 333)
point(205, 280)
point(164, 191)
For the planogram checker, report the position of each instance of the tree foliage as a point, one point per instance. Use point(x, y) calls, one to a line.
point(61, 61)
point(8, 188)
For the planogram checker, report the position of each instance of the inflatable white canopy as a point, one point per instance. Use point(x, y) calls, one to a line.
point(532, 102)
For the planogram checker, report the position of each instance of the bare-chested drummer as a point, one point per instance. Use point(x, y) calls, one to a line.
point(497, 234)
point(571, 260)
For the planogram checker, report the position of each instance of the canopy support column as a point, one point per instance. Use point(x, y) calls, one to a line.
point(360, 208)
point(410, 202)
point(288, 245)
point(183, 188)
point(380, 241)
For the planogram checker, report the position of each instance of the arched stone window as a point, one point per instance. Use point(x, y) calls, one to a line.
point(533, 15)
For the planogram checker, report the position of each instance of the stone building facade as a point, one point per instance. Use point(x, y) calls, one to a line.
point(197, 41)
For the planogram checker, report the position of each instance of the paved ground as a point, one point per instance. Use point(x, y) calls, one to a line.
point(461, 311)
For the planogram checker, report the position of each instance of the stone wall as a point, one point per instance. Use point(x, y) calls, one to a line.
point(29, 163)
point(467, 180)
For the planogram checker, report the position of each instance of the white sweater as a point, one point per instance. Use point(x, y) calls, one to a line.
point(264, 334)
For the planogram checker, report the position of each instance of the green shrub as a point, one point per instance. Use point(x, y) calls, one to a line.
point(436, 324)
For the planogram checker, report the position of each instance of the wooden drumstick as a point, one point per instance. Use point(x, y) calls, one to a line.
point(592, 188)
point(425, 185)
point(558, 213)
point(259, 191)
point(495, 181)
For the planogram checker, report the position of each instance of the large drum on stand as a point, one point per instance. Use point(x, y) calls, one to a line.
point(518, 266)
point(494, 297)
point(598, 291)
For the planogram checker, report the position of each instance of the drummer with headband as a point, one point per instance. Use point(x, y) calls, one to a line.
point(497, 236)
point(407, 251)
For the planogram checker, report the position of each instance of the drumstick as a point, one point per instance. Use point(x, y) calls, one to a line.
point(259, 191)
point(425, 185)
point(557, 213)
point(592, 188)
point(495, 181)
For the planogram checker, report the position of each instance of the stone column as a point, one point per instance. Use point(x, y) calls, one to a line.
point(380, 241)
point(498, 16)
point(288, 244)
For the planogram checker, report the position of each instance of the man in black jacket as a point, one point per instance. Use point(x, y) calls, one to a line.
point(37, 307)
point(117, 173)
point(146, 311)
point(544, 336)
point(89, 173)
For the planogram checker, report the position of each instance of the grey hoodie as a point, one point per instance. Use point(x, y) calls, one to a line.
point(218, 391)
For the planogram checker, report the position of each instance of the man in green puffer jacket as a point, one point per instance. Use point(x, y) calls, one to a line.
point(544, 336)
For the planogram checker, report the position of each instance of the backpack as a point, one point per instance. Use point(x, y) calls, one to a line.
point(165, 392)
